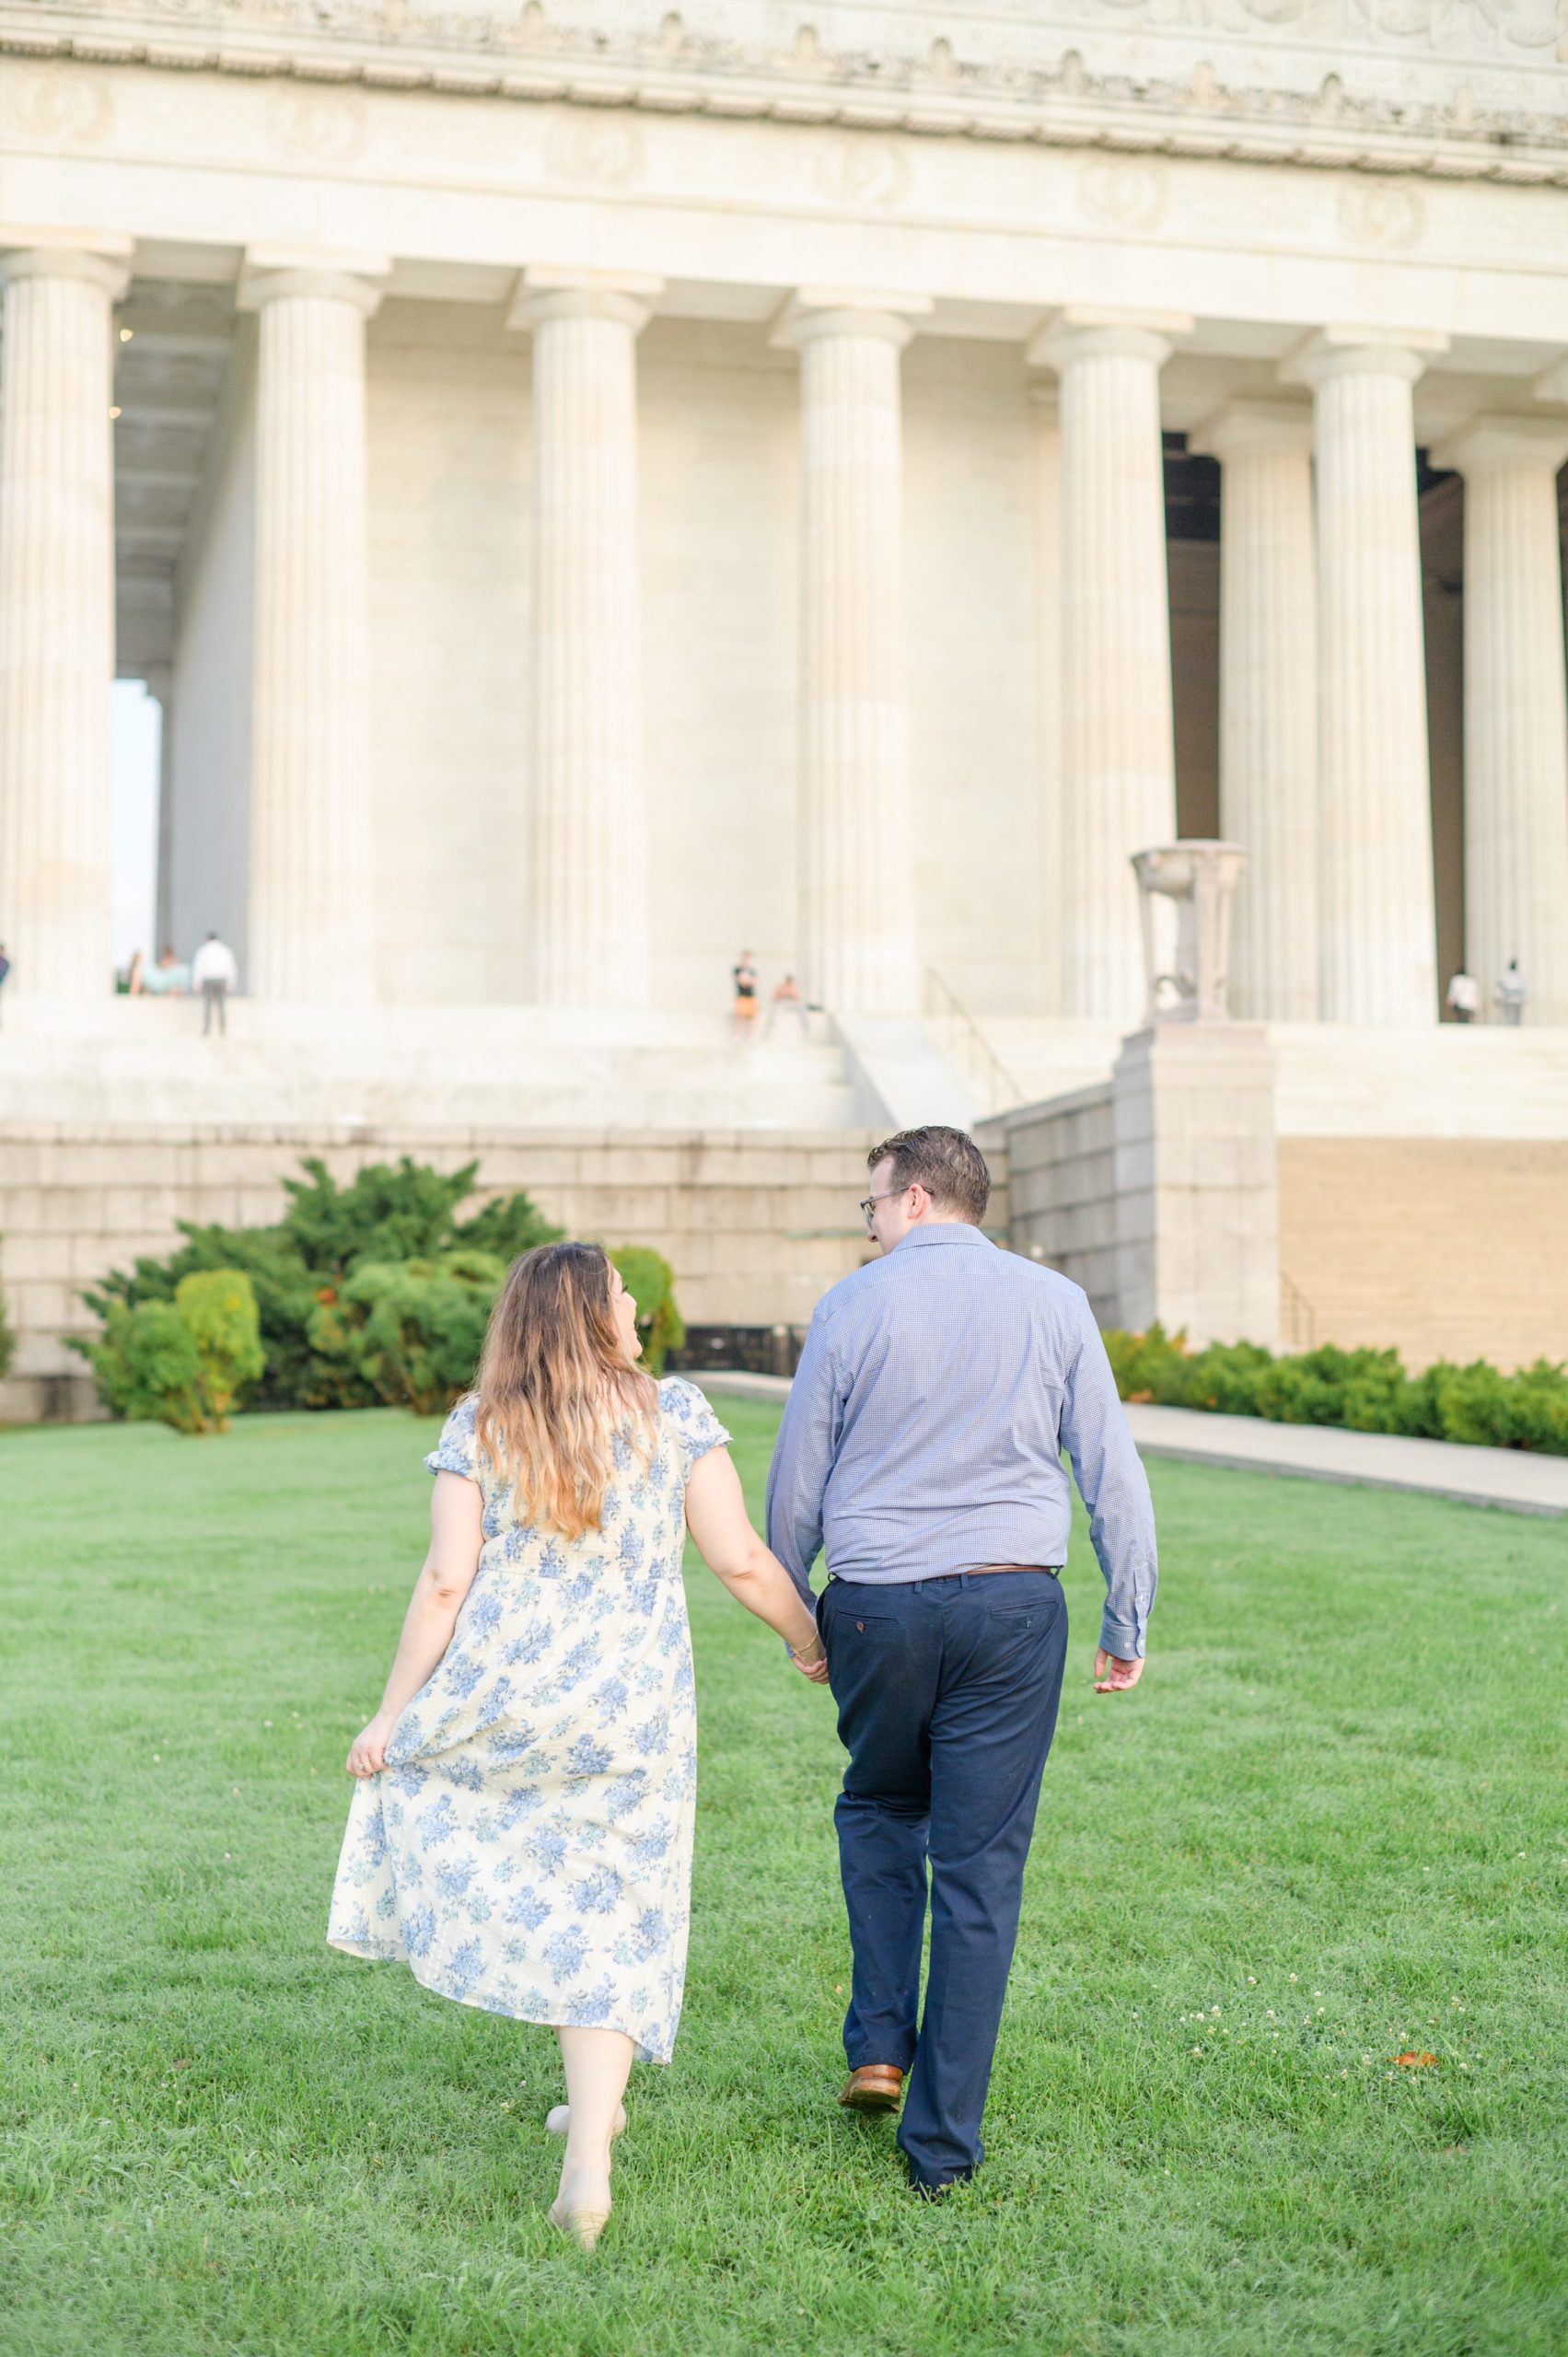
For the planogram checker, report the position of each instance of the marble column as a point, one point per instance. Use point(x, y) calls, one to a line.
point(57, 616)
point(311, 933)
point(1516, 708)
point(160, 687)
point(1046, 416)
point(1269, 701)
point(1118, 753)
point(859, 949)
point(1376, 915)
point(588, 921)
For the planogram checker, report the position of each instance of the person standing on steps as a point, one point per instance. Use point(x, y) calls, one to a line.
point(922, 1443)
point(214, 972)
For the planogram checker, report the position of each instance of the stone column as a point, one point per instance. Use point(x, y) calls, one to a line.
point(57, 616)
point(311, 933)
point(1516, 708)
point(160, 687)
point(859, 950)
point(1376, 915)
point(1045, 410)
point(1118, 753)
point(1269, 701)
point(588, 924)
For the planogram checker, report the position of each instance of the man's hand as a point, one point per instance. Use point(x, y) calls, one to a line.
point(1113, 1675)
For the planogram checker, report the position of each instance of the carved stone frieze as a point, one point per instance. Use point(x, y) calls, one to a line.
point(1453, 88)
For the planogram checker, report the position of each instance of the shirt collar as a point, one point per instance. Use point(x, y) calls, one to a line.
point(942, 1231)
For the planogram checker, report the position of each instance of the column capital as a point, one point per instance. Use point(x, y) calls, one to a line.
point(545, 291)
point(101, 256)
point(813, 312)
point(270, 273)
point(1088, 330)
point(1348, 350)
point(1243, 426)
point(1537, 445)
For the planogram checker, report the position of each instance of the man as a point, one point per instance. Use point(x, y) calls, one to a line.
point(921, 1441)
point(743, 980)
point(1464, 997)
point(1511, 993)
point(786, 1000)
point(215, 973)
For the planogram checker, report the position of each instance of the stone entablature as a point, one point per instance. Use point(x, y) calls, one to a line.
point(1439, 87)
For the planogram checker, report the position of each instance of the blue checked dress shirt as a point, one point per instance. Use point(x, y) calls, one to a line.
point(924, 1429)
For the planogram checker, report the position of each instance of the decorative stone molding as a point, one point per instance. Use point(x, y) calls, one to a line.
point(1421, 86)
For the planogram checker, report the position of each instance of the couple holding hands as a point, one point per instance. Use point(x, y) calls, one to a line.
point(521, 1832)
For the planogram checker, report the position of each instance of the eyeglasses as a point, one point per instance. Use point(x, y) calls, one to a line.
point(869, 1202)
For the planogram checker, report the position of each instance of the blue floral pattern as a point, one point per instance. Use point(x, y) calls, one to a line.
point(528, 1847)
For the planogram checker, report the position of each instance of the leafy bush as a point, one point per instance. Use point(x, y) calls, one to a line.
point(299, 1266)
point(8, 1338)
point(648, 1276)
point(1363, 1390)
point(411, 1330)
point(182, 1362)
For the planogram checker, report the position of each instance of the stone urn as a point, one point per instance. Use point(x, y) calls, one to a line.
point(1187, 962)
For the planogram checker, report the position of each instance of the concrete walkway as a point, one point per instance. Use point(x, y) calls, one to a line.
point(1512, 1479)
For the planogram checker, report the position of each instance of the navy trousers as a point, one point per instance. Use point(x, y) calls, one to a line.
point(946, 1691)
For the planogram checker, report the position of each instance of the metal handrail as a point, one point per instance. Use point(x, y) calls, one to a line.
point(1003, 1088)
point(1300, 1316)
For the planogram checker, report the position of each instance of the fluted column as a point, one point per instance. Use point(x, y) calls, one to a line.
point(588, 924)
point(1045, 412)
point(1269, 701)
point(858, 936)
point(1516, 708)
point(160, 687)
point(311, 931)
point(57, 618)
point(1118, 751)
point(1376, 915)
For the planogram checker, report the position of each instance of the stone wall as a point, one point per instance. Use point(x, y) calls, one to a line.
point(1445, 1248)
point(1062, 1189)
point(757, 1224)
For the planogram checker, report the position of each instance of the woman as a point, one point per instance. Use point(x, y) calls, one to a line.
point(521, 1836)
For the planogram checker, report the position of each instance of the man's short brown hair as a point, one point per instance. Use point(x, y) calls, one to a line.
point(947, 1163)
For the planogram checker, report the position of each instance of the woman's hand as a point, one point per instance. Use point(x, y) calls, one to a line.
point(811, 1660)
point(368, 1752)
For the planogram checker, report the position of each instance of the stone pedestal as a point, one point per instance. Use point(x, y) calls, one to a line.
point(858, 950)
point(1195, 1185)
point(311, 901)
point(1269, 699)
point(1376, 913)
point(57, 616)
point(588, 896)
point(1118, 755)
point(1516, 709)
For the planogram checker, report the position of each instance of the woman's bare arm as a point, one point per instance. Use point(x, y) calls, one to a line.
point(457, 1536)
point(717, 1520)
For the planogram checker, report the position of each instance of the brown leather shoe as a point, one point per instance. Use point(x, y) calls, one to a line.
point(875, 2087)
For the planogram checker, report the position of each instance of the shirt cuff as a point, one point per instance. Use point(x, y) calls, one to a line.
point(1122, 1638)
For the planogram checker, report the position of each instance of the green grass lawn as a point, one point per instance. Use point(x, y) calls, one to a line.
point(1327, 1830)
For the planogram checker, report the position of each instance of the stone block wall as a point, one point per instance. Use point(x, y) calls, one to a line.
point(756, 1223)
point(1062, 1189)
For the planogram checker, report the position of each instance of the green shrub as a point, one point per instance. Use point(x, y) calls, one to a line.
point(8, 1338)
point(219, 1308)
point(413, 1330)
point(648, 1276)
point(298, 1267)
point(146, 1365)
point(1364, 1390)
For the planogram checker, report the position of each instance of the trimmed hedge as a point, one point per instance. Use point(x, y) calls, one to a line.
point(1363, 1390)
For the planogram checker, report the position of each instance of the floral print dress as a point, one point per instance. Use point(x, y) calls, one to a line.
point(528, 1847)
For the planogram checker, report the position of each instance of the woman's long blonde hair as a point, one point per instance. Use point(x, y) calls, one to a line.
point(556, 1388)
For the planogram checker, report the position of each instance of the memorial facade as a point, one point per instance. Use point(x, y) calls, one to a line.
point(593, 488)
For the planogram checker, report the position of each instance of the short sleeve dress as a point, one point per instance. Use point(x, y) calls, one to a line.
point(528, 1847)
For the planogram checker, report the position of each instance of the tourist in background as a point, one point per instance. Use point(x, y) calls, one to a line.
point(215, 973)
point(522, 1837)
point(786, 1000)
point(170, 978)
point(1511, 993)
point(5, 965)
point(743, 977)
point(1464, 997)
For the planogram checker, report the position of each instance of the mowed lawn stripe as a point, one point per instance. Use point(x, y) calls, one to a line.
point(1326, 1831)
